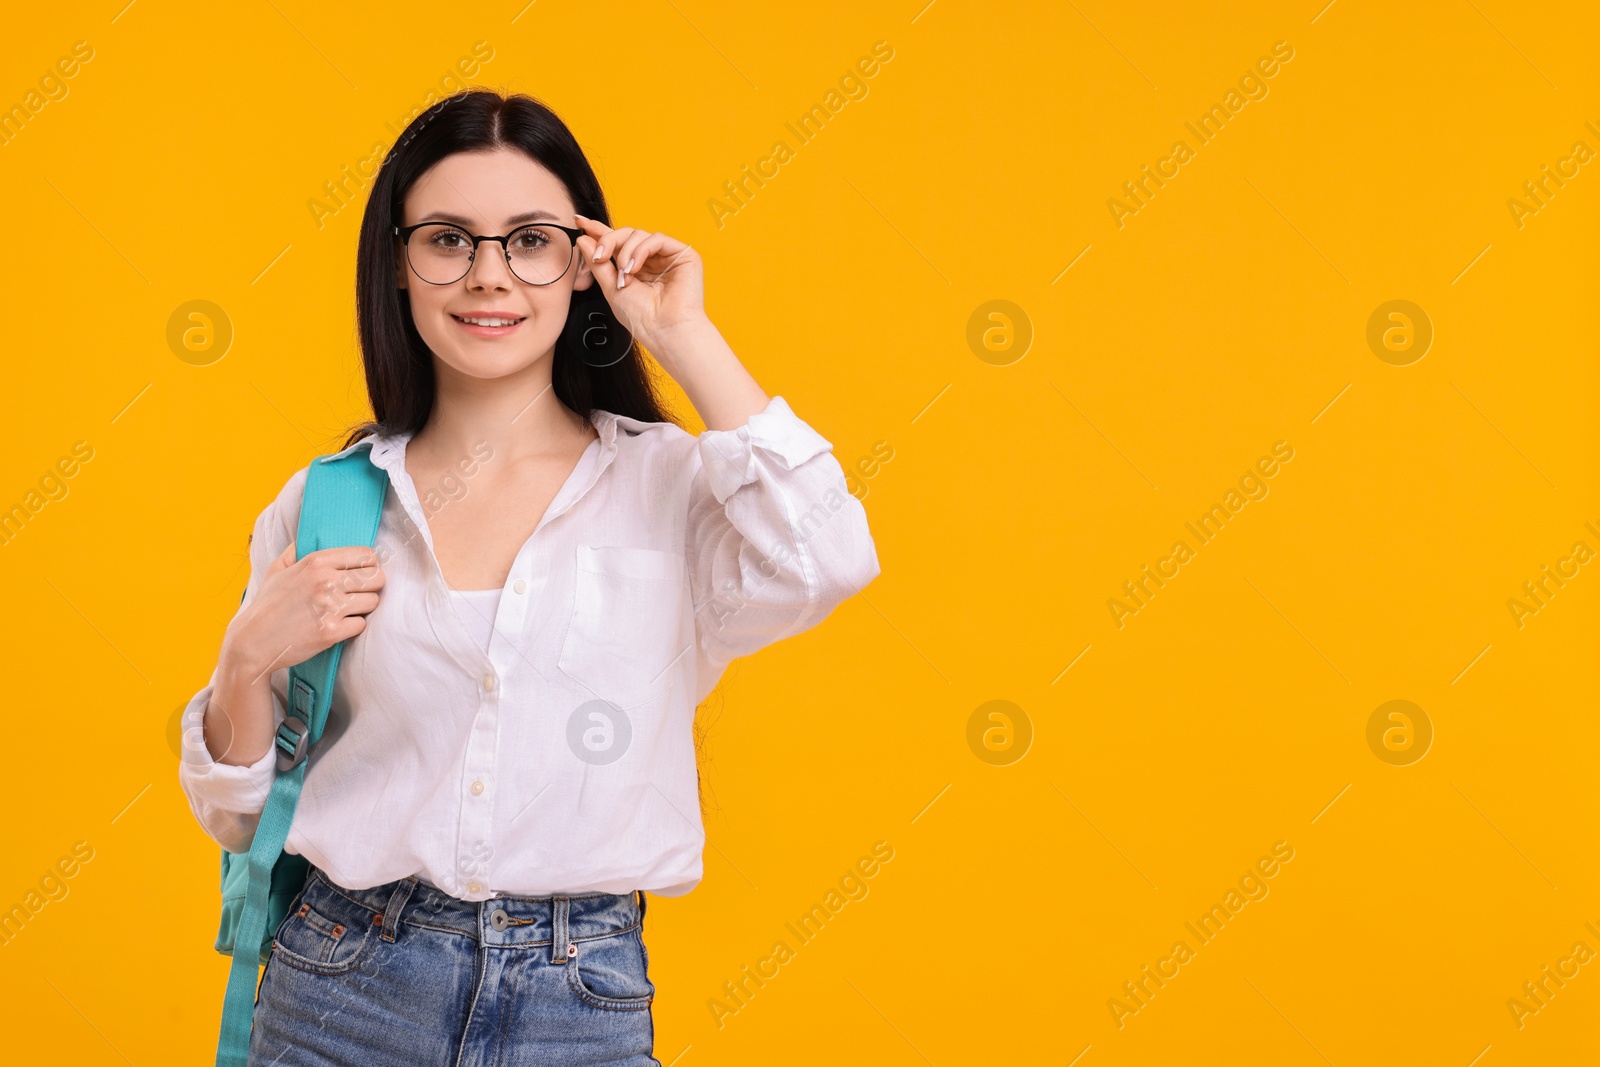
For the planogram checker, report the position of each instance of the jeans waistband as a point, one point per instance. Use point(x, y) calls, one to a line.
point(556, 922)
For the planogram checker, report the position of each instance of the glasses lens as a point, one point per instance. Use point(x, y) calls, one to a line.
point(439, 253)
point(539, 254)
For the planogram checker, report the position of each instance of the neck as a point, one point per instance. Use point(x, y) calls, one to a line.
point(519, 416)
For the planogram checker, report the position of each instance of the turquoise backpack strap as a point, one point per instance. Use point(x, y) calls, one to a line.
point(342, 506)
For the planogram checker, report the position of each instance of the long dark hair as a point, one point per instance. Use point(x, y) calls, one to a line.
point(398, 364)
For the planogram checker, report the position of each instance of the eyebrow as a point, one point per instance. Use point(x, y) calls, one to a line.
point(515, 220)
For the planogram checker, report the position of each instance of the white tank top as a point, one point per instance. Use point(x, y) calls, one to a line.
point(477, 608)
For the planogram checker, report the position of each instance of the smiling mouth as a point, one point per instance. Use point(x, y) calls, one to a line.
point(491, 321)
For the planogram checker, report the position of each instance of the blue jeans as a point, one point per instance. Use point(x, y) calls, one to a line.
point(404, 973)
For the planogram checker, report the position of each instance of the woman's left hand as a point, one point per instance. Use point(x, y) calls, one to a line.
point(654, 283)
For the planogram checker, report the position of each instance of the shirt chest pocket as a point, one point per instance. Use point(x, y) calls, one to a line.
point(625, 631)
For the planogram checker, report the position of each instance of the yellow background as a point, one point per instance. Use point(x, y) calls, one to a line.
point(1227, 314)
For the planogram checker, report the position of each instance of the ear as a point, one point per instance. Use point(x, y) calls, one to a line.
point(585, 276)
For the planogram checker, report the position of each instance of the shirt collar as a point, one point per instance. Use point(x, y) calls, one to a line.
point(389, 451)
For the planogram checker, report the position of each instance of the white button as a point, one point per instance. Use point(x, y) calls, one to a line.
point(473, 887)
point(477, 787)
point(521, 586)
point(488, 683)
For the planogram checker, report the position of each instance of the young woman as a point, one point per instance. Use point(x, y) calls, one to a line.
point(561, 575)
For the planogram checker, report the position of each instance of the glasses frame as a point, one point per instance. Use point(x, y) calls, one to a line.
point(405, 232)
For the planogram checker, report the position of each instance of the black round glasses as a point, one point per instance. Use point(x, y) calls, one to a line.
point(441, 253)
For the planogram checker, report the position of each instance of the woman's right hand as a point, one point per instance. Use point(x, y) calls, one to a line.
point(304, 606)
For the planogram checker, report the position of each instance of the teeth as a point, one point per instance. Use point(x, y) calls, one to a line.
point(488, 322)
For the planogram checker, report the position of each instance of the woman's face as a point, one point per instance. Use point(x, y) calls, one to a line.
point(489, 192)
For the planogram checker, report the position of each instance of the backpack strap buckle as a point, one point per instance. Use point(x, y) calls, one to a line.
point(291, 743)
point(293, 731)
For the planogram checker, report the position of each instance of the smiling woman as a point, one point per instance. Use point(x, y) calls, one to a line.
point(514, 295)
point(525, 777)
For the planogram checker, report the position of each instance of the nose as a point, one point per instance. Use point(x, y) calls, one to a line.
point(489, 268)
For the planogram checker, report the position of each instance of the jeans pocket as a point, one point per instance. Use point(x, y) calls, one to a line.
point(325, 932)
point(611, 972)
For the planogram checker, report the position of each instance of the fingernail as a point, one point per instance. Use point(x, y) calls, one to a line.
point(622, 280)
point(600, 252)
point(629, 268)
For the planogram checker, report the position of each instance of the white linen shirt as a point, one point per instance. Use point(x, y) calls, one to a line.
point(560, 759)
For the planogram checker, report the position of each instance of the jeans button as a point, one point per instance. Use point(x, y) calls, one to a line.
point(499, 919)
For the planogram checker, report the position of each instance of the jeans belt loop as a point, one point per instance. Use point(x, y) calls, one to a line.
point(559, 910)
point(397, 902)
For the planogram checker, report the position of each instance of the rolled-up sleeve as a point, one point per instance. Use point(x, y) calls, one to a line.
point(227, 799)
point(776, 540)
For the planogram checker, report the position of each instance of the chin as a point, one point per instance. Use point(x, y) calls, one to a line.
point(490, 362)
